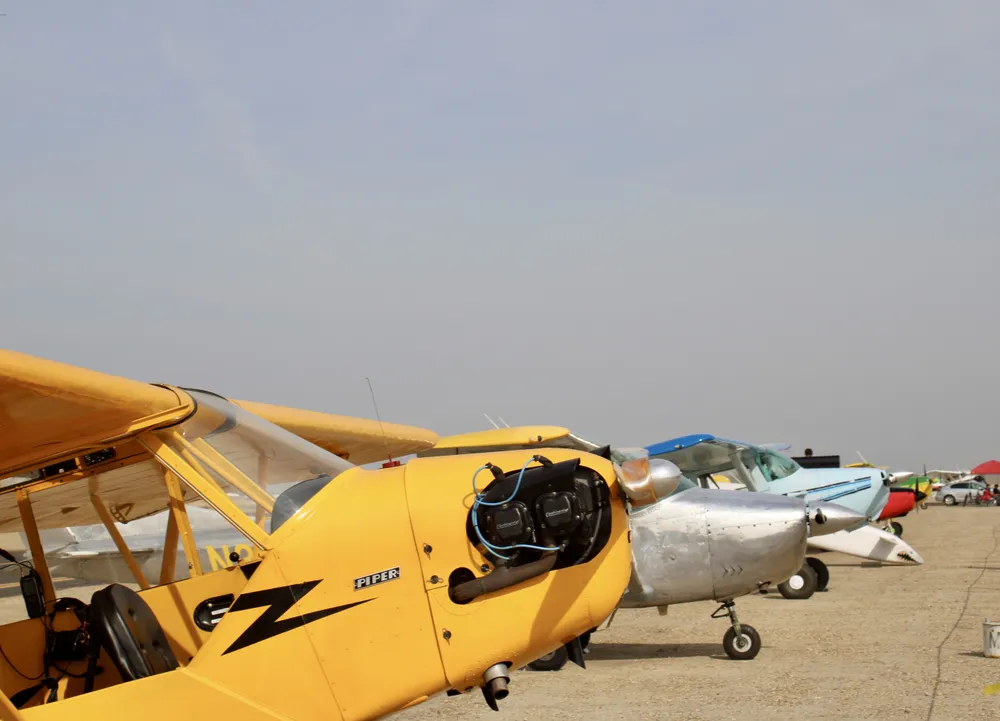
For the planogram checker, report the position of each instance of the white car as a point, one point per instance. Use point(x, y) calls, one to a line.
point(957, 492)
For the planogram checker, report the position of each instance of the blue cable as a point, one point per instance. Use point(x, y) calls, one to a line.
point(509, 498)
point(480, 502)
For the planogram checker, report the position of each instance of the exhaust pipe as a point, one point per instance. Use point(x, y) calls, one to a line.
point(502, 578)
point(495, 684)
point(496, 679)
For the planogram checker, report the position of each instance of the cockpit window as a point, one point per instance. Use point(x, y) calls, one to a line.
point(291, 500)
point(747, 466)
point(251, 460)
point(749, 458)
point(766, 466)
point(700, 458)
point(776, 465)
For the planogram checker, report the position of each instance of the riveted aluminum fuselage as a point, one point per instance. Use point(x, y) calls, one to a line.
point(707, 544)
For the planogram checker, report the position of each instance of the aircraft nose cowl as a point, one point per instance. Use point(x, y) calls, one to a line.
point(825, 517)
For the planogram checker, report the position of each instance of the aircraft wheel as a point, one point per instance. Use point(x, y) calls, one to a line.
point(800, 586)
point(822, 573)
point(744, 647)
point(923, 506)
point(949, 500)
point(897, 528)
point(552, 661)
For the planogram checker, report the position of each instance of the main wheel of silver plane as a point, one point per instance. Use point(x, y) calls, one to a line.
point(897, 528)
point(822, 572)
point(743, 647)
point(551, 661)
point(800, 586)
point(949, 500)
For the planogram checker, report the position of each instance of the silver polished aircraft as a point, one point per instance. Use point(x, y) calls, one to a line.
point(689, 543)
point(698, 544)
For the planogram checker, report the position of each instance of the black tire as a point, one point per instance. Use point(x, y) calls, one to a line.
point(551, 662)
point(746, 647)
point(822, 573)
point(800, 586)
point(949, 500)
point(897, 528)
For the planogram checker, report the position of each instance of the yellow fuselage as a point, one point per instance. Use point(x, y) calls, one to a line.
point(361, 653)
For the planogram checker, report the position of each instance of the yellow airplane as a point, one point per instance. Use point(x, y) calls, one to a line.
point(366, 593)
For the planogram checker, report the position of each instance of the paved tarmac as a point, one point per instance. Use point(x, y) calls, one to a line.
point(882, 643)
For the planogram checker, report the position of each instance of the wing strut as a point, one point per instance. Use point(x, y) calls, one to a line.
point(35, 543)
point(262, 479)
point(116, 536)
point(178, 512)
point(169, 563)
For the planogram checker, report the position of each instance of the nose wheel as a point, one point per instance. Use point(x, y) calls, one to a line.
point(741, 642)
point(822, 572)
point(803, 584)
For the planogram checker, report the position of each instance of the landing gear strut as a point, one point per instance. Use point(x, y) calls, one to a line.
point(741, 642)
point(572, 651)
point(551, 661)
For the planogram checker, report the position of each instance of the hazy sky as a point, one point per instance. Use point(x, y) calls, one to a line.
point(774, 221)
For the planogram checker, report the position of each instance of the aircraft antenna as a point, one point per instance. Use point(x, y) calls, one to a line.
point(388, 453)
point(491, 421)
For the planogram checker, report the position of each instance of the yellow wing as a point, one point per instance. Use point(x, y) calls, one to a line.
point(62, 418)
point(357, 440)
point(76, 423)
point(49, 410)
point(518, 437)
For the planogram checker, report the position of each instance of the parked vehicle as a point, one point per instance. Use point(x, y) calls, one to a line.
point(962, 492)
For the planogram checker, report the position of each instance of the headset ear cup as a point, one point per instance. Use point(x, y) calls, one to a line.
point(71, 604)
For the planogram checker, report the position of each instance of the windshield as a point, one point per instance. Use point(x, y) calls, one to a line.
point(775, 465)
point(700, 458)
point(753, 470)
point(753, 467)
point(248, 458)
point(765, 466)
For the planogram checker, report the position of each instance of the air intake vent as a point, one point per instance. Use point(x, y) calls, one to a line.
point(210, 611)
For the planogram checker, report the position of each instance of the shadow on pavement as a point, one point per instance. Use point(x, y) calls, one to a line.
point(635, 651)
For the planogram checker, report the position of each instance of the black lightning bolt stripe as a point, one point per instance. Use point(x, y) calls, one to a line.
point(278, 601)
